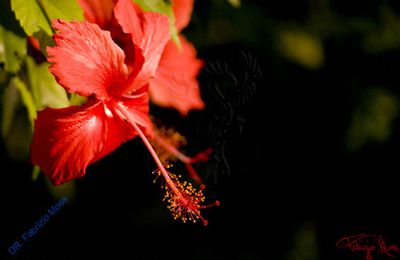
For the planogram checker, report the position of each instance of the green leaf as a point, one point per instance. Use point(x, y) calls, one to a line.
point(18, 140)
point(31, 16)
point(35, 173)
point(44, 40)
point(77, 100)
point(159, 6)
point(16, 129)
point(9, 107)
point(62, 9)
point(35, 16)
point(51, 94)
point(67, 189)
point(44, 88)
point(12, 50)
point(33, 79)
point(26, 97)
point(3, 78)
point(163, 7)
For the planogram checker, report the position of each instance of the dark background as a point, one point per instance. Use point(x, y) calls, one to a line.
point(290, 180)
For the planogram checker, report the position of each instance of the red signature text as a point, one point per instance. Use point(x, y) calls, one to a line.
point(366, 244)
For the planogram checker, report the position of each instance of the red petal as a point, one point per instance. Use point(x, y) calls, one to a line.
point(127, 16)
point(156, 36)
point(68, 140)
point(175, 84)
point(183, 11)
point(126, 28)
point(85, 59)
point(98, 12)
point(150, 33)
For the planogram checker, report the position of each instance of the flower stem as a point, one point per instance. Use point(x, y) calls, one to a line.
point(131, 121)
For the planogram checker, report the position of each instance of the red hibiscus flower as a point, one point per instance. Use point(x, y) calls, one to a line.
point(113, 70)
point(174, 84)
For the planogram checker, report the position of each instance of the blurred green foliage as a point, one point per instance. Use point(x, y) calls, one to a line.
point(12, 49)
point(26, 98)
point(9, 103)
point(302, 47)
point(300, 33)
point(234, 3)
point(372, 120)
